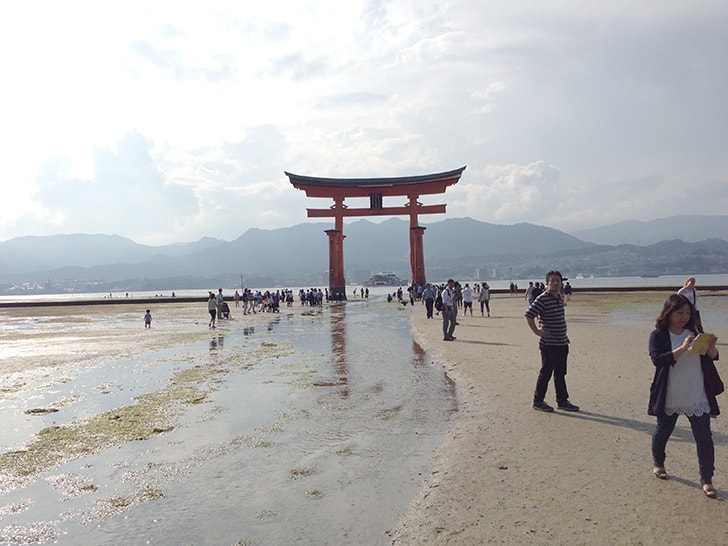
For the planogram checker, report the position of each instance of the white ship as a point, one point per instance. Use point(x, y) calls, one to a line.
point(384, 279)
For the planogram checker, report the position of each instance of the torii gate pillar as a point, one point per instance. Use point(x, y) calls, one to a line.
point(337, 280)
point(417, 255)
point(375, 189)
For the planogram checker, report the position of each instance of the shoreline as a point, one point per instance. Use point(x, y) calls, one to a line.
point(507, 474)
point(121, 300)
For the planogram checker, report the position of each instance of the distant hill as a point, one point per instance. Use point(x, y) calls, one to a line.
point(298, 255)
point(457, 237)
point(296, 251)
point(26, 254)
point(664, 258)
point(688, 228)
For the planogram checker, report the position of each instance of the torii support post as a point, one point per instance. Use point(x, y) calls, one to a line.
point(417, 256)
point(375, 189)
point(337, 281)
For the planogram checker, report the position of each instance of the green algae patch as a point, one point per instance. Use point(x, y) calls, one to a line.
point(37, 533)
point(266, 515)
point(389, 413)
point(71, 486)
point(301, 472)
point(11, 388)
point(149, 493)
point(150, 414)
point(40, 411)
point(14, 508)
point(59, 444)
point(67, 320)
point(611, 302)
point(249, 441)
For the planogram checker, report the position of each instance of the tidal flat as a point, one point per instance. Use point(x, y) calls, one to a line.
point(312, 424)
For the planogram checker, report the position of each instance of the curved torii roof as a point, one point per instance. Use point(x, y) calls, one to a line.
point(362, 187)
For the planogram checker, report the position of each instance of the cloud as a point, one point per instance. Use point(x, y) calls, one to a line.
point(238, 184)
point(127, 188)
point(566, 115)
point(507, 193)
point(176, 66)
point(297, 67)
point(488, 97)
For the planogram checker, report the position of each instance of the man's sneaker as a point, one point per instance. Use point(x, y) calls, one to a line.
point(542, 406)
point(568, 406)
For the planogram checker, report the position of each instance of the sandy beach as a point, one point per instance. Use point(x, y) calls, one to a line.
point(510, 475)
point(505, 474)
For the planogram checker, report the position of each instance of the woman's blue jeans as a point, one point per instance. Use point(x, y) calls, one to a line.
point(703, 441)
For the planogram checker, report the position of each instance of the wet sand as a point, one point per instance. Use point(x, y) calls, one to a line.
point(510, 475)
point(271, 429)
point(34, 338)
point(505, 473)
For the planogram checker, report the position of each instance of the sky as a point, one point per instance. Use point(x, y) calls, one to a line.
point(169, 121)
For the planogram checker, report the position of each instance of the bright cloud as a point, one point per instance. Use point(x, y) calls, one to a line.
point(170, 121)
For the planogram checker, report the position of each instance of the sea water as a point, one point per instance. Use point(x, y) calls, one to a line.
point(578, 282)
point(323, 439)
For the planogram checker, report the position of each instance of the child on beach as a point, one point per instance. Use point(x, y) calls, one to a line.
point(212, 309)
point(148, 319)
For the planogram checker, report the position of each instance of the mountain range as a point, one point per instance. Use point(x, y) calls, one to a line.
point(298, 255)
point(688, 228)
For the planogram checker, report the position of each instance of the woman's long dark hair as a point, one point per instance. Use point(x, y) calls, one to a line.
point(672, 304)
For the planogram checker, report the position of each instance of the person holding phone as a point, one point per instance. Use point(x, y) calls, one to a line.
point(685, 383)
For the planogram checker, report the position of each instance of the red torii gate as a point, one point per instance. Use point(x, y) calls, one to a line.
point(375, 189)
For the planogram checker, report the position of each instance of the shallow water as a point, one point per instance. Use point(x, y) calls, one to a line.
point(713, 310)
point(314, 428)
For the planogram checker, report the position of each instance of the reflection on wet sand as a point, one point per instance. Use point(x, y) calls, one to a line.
point(337, 320)
point(338, 347)
point(217, 342)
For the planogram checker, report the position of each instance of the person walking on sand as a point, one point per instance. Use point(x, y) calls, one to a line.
point(567, 291)
point(553, 343)
point(688, 290)
point(220, 298)
point(148, 319)
point(212, 309)
point(448, 311)
point(428, 298)
point(529, 297)
point(467, 300)
point(484, 298)
point(685, 382)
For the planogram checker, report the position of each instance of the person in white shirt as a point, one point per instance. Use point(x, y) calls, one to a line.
point(685, 383)
point(467, 300)
point(688, 290)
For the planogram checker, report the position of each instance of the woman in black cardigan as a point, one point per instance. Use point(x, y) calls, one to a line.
point(684, 383)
